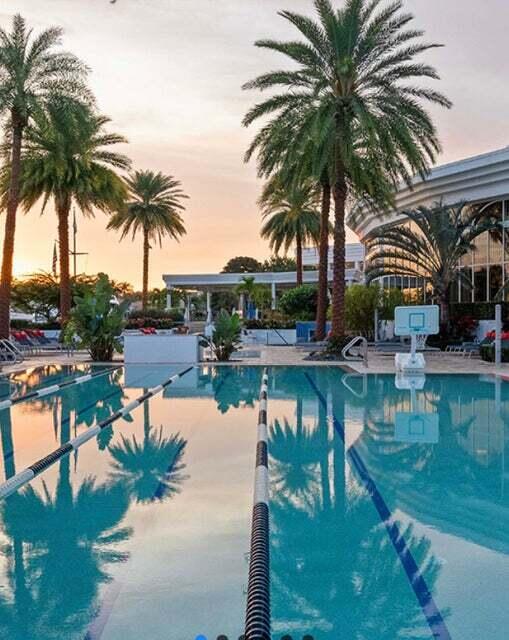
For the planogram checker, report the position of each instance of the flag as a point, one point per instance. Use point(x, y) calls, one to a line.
point(55, 259)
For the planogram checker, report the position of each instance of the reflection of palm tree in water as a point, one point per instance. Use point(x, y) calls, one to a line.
point(150, 469)
point(60, 532)
point(334, 570)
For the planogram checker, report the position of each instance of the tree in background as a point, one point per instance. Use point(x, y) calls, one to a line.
point(154, 209)
point(277, 264)
point(356, 70)
point(32, 73)
point(430, 247)
point(39, 293)
point(291, 217)
point(67, 158)
point(242, 264)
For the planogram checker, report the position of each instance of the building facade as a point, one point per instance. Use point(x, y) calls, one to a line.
point(482, 180)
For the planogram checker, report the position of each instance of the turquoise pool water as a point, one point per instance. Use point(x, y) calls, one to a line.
point(389, 514)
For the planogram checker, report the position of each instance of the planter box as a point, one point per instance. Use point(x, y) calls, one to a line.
point(273, 337)
point(161, 349)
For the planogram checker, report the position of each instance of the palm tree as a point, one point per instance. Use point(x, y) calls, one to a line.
point(257, 294)
point(430, 247)
point(291, 217)
point(354, 69)
point(154, 210)
point(67, 158)
point(31, 73)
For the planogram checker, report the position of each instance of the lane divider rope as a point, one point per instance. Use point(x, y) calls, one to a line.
point(258, 590)
point(434, 617)
point(46, 391)
point(21, 478)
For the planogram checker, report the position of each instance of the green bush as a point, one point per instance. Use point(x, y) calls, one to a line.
point(271, 320)
point(487, 351)
point(153, 317)
point(361, 302)
point(97, 321)
point(226, 335)
point(478, 310)
point(300, 303)
point(25, 324)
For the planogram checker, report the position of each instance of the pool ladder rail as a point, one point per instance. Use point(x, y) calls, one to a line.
point(359, 345)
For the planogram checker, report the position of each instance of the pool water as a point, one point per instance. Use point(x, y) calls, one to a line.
point(389, 513)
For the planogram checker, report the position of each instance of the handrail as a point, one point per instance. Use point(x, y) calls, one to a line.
point(363, 350)
point(345, 380)
point(282, 337)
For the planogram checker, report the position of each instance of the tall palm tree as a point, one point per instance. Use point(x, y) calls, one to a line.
point(291, 217)
point(31, 73)
point(154, 209)
point(430, 247)
point(355, 68)
point(67, 158)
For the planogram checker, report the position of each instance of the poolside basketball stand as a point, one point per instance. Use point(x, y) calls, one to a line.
point(414, 321)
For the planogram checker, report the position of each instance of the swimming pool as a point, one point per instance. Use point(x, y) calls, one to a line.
point(389, 515)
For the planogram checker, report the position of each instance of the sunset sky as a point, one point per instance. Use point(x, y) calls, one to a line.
point(169, 72)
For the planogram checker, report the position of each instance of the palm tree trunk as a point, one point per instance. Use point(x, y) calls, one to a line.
point(146, 248)
point(63, 208)
point(444, 310)
point(10, 228)
point(338, 267)
point(323, 258)
point(299, 259)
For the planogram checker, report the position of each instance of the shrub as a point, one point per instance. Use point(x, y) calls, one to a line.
point(97, 321)
point(153, 317)
point(487, 351)
point(25, 324)
point(478, 310)
point(271, 320)
point(226, 335)
point(361, 302)
point(300, 303)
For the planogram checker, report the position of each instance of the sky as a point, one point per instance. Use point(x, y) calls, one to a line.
point(169, 74)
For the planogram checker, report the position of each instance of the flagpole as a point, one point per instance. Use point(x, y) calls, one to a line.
point(74, 233)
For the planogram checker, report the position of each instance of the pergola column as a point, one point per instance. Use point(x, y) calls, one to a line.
point(273, 305)
point(241, 304)
point(168, 299)
point(187, 312)
point(209, 307)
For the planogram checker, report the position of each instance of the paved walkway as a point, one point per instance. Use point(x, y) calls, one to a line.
point(436, 362)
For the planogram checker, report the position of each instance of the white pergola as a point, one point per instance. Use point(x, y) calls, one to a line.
point(210, 282)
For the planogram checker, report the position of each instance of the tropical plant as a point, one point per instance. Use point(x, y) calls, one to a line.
point(352, 87)
point(257, 294)
point(242, 264)
point(97, 319)
point(32, 74)
point(154, 210)
point(67, 158)
point(300, 302)
point(291, 217)
point(226, 335)
point(429, 247)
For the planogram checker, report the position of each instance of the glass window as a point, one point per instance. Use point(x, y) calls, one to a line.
point(494, 211)
point(496, 280)
point(465, 289)
point(481, 255)
point(480, 283)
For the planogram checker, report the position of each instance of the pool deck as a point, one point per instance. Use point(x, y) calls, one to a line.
point(436, 362)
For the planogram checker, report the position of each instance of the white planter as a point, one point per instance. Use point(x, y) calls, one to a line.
point(161, 349)
point(270, 336)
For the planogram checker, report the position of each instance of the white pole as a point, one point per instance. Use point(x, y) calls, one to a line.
point(209, 307)
point(498, 334)
point(168, 299)
point(376, 325)
point(273, 295)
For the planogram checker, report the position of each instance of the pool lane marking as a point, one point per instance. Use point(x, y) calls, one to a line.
point(421, 590)
point(20, 479)
point(46, 391)
point(257, 624)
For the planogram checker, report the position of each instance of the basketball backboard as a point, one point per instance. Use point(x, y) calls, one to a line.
point(417, 320)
